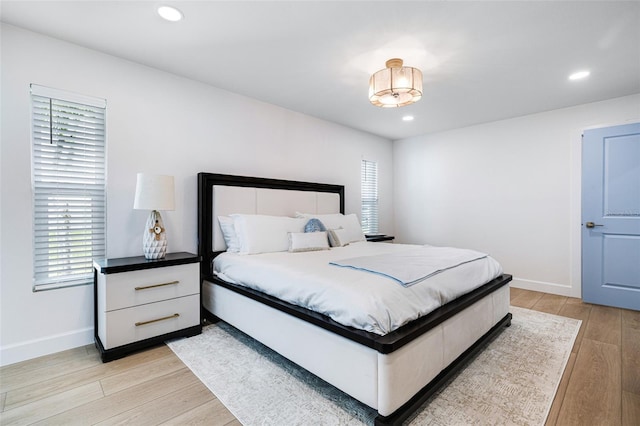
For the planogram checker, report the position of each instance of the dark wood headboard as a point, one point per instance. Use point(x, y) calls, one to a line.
point(206, 181)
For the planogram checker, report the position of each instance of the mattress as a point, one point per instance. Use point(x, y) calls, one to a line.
point(354, 298)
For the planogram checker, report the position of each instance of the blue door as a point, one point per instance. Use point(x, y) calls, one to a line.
point(611, 216)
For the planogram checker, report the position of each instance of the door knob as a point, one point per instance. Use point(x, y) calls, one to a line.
point(591, 225)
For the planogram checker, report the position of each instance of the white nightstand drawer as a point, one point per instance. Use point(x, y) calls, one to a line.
point(129, 325)
point(126, 289)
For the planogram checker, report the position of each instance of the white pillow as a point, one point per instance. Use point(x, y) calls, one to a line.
point(308, 241)
point(348, 222)
point(265, 234)
point(338, 237)
point(229, 234)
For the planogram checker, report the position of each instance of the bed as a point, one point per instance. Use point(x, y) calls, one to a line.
point(394, 369)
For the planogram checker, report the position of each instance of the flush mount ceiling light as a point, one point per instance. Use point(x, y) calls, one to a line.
point(395, 86)
point(579, 75)
point(169, 13)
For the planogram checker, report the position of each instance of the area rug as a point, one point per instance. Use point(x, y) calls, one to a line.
point(512, 381)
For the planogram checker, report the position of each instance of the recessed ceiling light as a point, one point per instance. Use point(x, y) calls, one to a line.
point(170, 13)
point(579, 75)
point(407, 118)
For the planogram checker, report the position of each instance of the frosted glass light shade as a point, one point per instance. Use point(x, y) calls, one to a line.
point(395, 86)
point(154, 192)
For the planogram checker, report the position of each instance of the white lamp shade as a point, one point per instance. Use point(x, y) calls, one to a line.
point(154, 192)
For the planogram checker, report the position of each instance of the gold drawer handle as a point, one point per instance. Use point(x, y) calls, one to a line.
point(157, 285)
point(156, 320)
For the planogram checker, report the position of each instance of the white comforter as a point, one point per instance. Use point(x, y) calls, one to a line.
point(351, 297)
point(409, 267)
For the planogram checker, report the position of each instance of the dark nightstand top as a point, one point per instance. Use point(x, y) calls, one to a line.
point(379, 237)
point(135, 263)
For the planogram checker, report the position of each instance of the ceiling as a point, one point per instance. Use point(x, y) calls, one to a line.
point(482, 61)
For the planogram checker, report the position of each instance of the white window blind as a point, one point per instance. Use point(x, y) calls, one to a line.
point(369, 184)
point(69, 186)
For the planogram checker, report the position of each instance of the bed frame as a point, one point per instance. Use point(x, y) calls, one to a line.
point(394, 374)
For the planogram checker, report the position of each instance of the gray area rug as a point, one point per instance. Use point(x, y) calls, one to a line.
point(511, 382)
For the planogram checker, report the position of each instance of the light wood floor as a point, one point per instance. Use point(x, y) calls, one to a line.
point(601, 385)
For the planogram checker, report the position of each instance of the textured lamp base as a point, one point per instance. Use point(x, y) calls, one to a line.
point(154, 239)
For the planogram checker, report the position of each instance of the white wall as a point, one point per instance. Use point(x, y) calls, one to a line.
point(510, 188)
point(156, 122)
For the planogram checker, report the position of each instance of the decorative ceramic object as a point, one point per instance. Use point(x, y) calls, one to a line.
point(154, 240)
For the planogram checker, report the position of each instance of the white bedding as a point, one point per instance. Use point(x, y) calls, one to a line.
point(412, 266)
point(353, 298)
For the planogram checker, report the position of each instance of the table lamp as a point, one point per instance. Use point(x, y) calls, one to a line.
point(154, 192)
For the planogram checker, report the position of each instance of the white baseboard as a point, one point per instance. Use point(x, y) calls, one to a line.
point(546, 287)
point(10, 354)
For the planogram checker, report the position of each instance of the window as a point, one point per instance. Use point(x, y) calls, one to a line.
point(369, 179)
point(69, 186)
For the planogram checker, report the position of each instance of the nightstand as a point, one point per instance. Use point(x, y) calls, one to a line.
point(379, 237)
point(140, 303)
